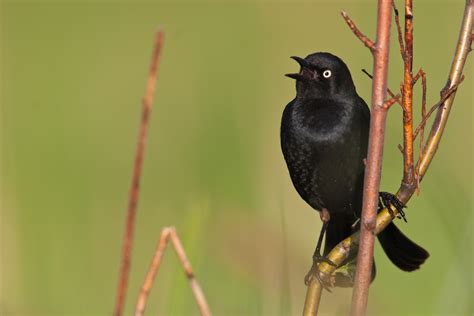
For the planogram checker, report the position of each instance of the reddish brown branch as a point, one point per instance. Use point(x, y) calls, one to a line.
point(407, 98)
point(364, 39)
point(390, 93)
point(418, 76)
point(168, 233)
point(387, 104)
point(134, 186)
point(399, 31)
point(374, 161)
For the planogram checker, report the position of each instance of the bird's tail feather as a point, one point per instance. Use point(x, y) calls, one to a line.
point(403, 252)
point(338, 229)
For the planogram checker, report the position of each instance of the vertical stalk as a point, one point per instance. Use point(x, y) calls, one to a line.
point(407, 98)
point(462, 50)
point(147, 103)
point(374, 160)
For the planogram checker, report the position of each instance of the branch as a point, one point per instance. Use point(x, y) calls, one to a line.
point(390, 93)
point(168, 233)
point(407, 98)
point(364, 39)
point(444, 96)
point(399, 31)
point(421, 74)
point(373, 168)
point(341, 252)
point(395, 99)
point(137, 169)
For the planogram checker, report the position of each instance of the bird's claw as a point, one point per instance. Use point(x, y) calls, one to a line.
point(322, 279)
point(387, 199)
point(315, 273)
point(317, 259)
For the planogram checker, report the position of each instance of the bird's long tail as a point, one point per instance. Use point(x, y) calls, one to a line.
point(403, 252)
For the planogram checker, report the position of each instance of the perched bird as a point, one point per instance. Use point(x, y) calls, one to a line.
point(324, 137)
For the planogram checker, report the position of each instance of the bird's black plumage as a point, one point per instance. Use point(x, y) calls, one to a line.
point(324, 136)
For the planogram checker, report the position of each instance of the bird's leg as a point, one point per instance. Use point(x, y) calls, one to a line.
point(317, 257)
point(387, 199)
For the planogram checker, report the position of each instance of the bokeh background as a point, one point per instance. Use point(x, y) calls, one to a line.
point(72, 76)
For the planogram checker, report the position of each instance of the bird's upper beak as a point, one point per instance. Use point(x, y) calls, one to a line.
point(308, 72)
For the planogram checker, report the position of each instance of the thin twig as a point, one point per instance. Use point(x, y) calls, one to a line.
point(445, 95)
point(364, 39)
point(168, 233)
point(134, 186)
point(390, 93)
point(422, 135)
point(395, 99)
point(399, 31)
point(418, 76)
point(407, 98)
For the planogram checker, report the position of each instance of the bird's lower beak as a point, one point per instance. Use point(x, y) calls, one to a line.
point(297, 77)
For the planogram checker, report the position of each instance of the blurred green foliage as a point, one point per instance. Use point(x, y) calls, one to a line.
point(72, 75)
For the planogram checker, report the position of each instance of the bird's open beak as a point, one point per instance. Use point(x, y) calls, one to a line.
point(304, 75)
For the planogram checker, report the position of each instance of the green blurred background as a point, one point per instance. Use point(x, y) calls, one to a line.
point(72, 76)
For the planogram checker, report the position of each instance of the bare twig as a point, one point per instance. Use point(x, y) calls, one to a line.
point(342, 251)
point(407, 98)
point(134, 187)
point(364, 39)
point(390, 93)
point(418, 75)
point(422, 135)
point(444, 96)
point(387, 104)
point(168, 233)
point(399, 31)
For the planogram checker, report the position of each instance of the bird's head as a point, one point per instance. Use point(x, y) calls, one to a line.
point(322, 75)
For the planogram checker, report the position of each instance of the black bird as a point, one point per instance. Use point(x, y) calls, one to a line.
point(324, 136)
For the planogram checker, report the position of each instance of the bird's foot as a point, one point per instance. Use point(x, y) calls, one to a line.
point(315, 273)
point(317, 259)
point(387, 199)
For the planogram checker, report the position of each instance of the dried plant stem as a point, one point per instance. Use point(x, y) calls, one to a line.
point(341, 252)
point(137, 168)
point(168, 233)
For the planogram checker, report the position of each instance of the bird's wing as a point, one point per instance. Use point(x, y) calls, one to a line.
point(364, 108)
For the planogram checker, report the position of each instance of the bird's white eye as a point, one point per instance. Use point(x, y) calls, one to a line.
point(327, 73)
